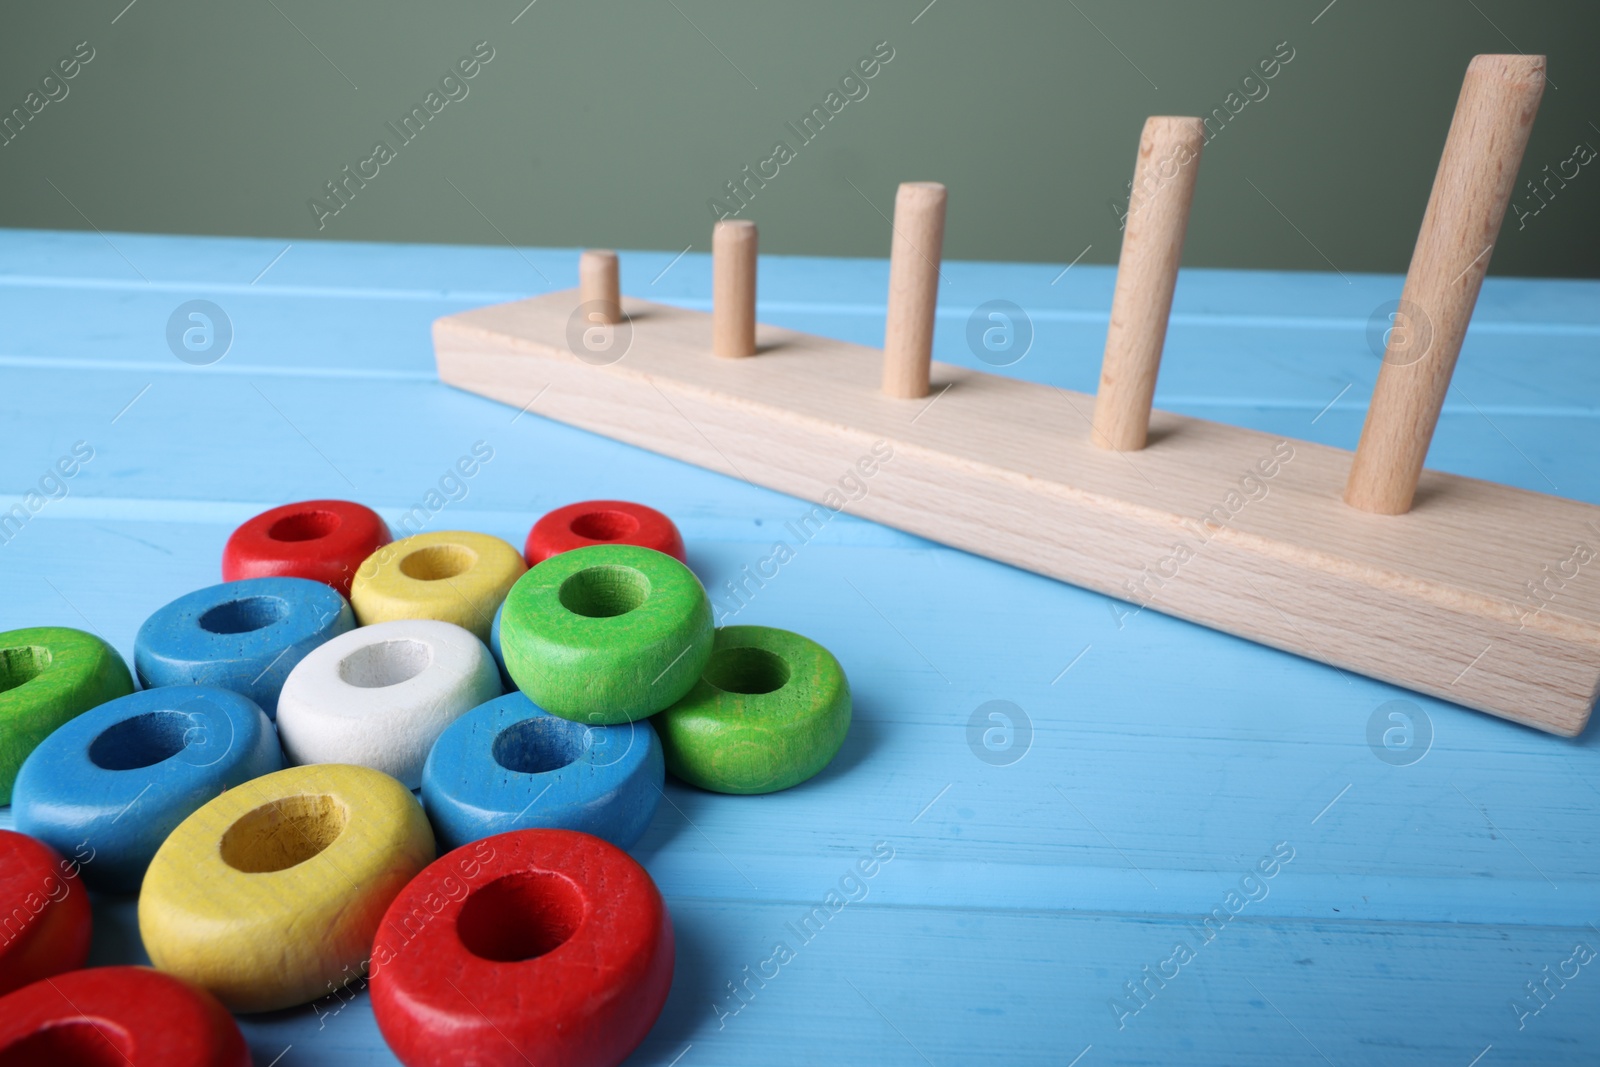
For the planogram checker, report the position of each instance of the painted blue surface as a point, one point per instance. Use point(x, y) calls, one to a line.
point(110, 785)
point(245, 636)
point(510, 765)
point(1161, 761)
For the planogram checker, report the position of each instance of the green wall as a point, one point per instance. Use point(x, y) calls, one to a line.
point(612, 123)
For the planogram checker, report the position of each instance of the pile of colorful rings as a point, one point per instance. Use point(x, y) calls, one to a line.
point(415, 766)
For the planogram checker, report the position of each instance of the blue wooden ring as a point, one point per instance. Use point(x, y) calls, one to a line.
point(111, 784)
point(244, 636)
point(494, 647)
point(510, 765)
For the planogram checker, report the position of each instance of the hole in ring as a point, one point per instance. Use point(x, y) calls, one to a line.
point(747, 670)
point(538, 746)
point(283, 833)
point(435, 563)
point(604, 525)
point(21, 665)
point(72, 1043)
point(244, 615)
point(304, 526)
point(604, 592)
point(385, 663)
point(141, 741)
point(520, 916)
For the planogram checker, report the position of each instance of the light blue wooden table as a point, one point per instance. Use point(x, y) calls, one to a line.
point(1159, 762)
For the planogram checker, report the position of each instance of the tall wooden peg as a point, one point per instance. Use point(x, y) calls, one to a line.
point(1152, 245)
point(733, 288)
point(913, 288)
point(1494, 115)
point(597, 282)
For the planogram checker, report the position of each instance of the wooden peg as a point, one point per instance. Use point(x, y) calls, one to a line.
point(597, 281)
point(1152, 244)
point(733, 288)
point(913, 288)
point(1494, 115)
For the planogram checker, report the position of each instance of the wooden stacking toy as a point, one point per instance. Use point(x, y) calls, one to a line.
point(606, 634)
point(511, 765)
point(48, 674)
point(44, 913)
point(770, 711)
point(245, 636)
point(536, 946)
point(601, 522)
point(118, 779)
point(381, 695)
point(269, 895)
point(1367, 562)
point(117, 1017)
point(323, 540)
point(453, 576)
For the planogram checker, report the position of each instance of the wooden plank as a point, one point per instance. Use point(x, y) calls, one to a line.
point(1231, 528)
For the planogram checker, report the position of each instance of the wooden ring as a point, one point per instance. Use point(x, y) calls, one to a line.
point(606, 634)
point(269, 895)
point(453, 576)
point(511, 765)
point(48, 674)
point(381, 695)
point(536, 946)
point(245, 636)
point(601, 522)
point(166, 750)
point(770, 711)
point(119, 1017)
point(323, 540)
point(45, 910)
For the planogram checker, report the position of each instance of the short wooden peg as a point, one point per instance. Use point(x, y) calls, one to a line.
point(597, 282)
point(913, 288)
point(733, 288)
point(1152, 245)
point(1494, 115)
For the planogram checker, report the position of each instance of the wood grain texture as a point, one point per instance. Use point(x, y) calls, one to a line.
point(606, 634)
point(1493, 118)
point(770, 711)
point(1147, 272)
point(914, 255)
point(269, 895)
point(733, 288)
point(1231, 528)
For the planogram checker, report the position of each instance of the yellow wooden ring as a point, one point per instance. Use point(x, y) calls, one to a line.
point(269, 895)
point(453, 576)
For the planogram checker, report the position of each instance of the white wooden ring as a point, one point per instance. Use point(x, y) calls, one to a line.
point(379, 696)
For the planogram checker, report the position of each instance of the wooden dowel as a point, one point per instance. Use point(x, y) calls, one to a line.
point(1488, 134)
point(733, 288)
point(1152, 245)
point(597, 282)
point(913, 288)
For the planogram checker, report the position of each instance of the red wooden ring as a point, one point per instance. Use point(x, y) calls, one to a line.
point(324, 540)
point(601, 522)
point(44, 912)
point(541, 946)
point(118, 1017)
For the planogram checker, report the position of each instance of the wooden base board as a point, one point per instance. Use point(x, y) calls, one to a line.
point(1482, 595)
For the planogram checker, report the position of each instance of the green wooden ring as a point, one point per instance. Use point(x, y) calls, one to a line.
point(49, 674)
point(770, 711)
point(606, 634)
